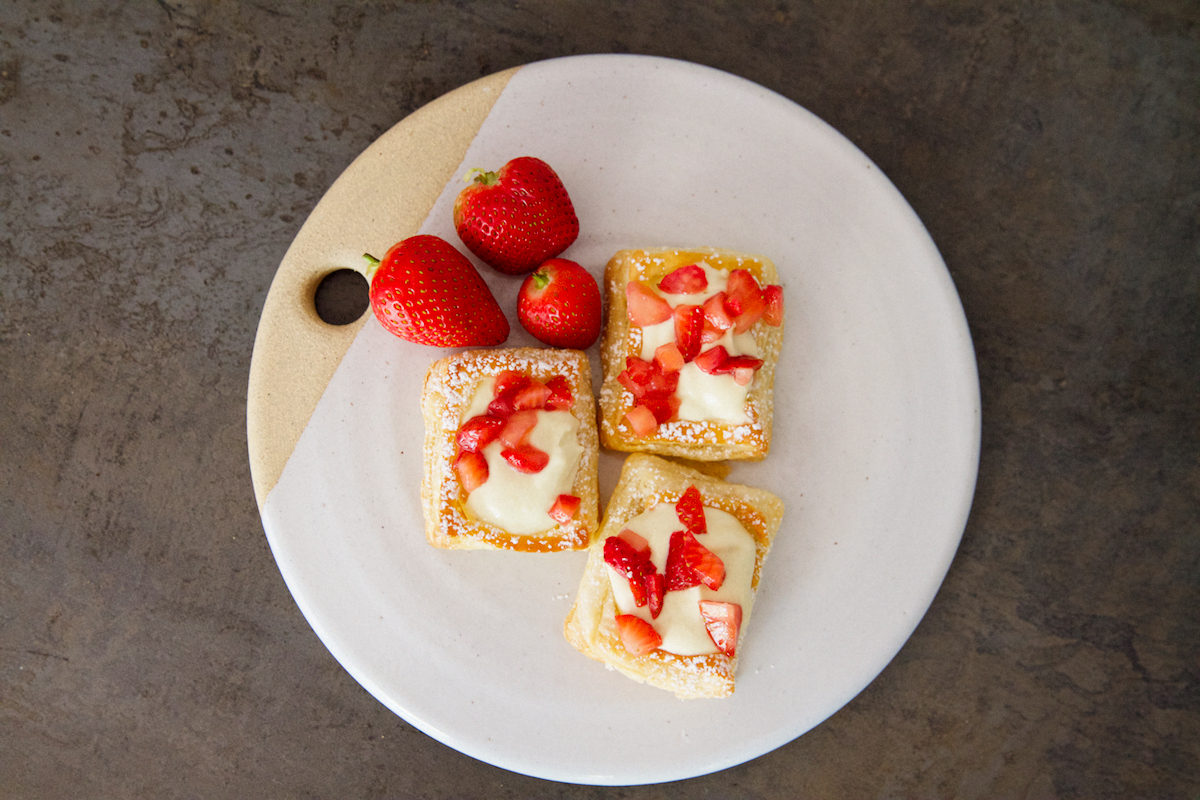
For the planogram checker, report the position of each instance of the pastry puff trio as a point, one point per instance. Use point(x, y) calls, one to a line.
point(512, 439)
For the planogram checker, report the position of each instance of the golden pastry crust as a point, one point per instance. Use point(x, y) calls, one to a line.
point(449, 387)
point(591, 624)
point(701, 441)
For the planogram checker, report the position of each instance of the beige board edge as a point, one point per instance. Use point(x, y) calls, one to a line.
point(384, 196)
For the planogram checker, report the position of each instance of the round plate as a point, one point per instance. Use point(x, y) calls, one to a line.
point(876, 437)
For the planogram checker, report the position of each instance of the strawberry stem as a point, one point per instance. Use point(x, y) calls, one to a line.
point(479, 175)
point(372, 265)
point(540, 279)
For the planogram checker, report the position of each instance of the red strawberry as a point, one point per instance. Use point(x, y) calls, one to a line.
point(773, 315)
point(723, 620)
point(517, 426)
point(711, 360)
point(656, 590)
point(631, 562)
point(637, 635)
point(526, 458)
point(642, 421)
point(644, 306)
point(689, 325)
point(517, 217)
point(690, 563)
point(532, 396)
point(560, 305)
point(685, 280)
point(561, 398)
point(477, 432)
point(690, 508)
point(564, 508)
point(668, 358)
point(472, 470)
point(427, 292)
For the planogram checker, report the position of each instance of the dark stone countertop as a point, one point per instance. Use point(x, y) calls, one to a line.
point(156, 159)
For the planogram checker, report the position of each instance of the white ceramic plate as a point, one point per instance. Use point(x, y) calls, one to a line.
point(875, 453)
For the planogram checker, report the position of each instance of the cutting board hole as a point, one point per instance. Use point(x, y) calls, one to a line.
point(342, 297)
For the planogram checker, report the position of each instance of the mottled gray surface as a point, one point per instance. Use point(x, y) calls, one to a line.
point(156, 159)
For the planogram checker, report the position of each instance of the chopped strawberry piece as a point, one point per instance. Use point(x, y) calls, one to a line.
point(509, 381)
point(564, 508)
point(689, 324)
point(679, 575)
point(690, 508)
point(561, 398)
point(710, 334)
point(635, 565)
point(636, 542)
point(637, 635)
point(636, 375)
point(685, 280)
point(712, 359)
point(662, 406)
point(741, 362)
point(478, 432)
point(723, 621)
point(533, 396)
point(644, 306)
point(707, 564)
point(740, 289)
point(641, 420)
point(773, 313)
point(662, 384)
point(690, 563)
point(517, 427)
point(472, 470)
point(742, 376)
point(668, 358)
point(656, 589)
point(715, 313)
point(526, 458)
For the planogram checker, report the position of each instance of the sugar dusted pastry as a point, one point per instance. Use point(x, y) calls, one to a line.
point(511, 451)
point(689, 353)
point(670, 580)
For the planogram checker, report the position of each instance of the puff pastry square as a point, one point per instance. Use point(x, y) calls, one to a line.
point(591, 626)
point(705, 439)
point(452, 385)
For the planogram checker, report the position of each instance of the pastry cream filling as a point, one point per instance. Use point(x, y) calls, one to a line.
point(520, 502)
point(679, 623)
point(718, 398)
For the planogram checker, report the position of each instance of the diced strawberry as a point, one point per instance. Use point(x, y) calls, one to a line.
point(637, 635)
point(636, 542)
point(478, 432)
point(636, 375)
point(509, 381)
point(662, 383)
point(472, 470)
point(723, 621)
point(740, 289)
point(533, 396)
point(712, 359)
point(690, 563)
point(662, 406)
point(517, 427)
point(656, 589)
point(668, 358)
point(715, 313)
point(690, 508)
point(526, 458)
point(741, 362)
point(635, 565)
point(742, 376)
point(707, 564)
point(773, 313)
point(641, 420)
point(644, 306)
point(561, 398)
point(564, 508)
point(710, 334)
point(679, 575)
point(685, 280)
point(689, 324)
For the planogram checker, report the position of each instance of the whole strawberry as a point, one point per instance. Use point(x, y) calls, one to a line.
point(517, 217)
point(427, 292)
point(560, 305)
